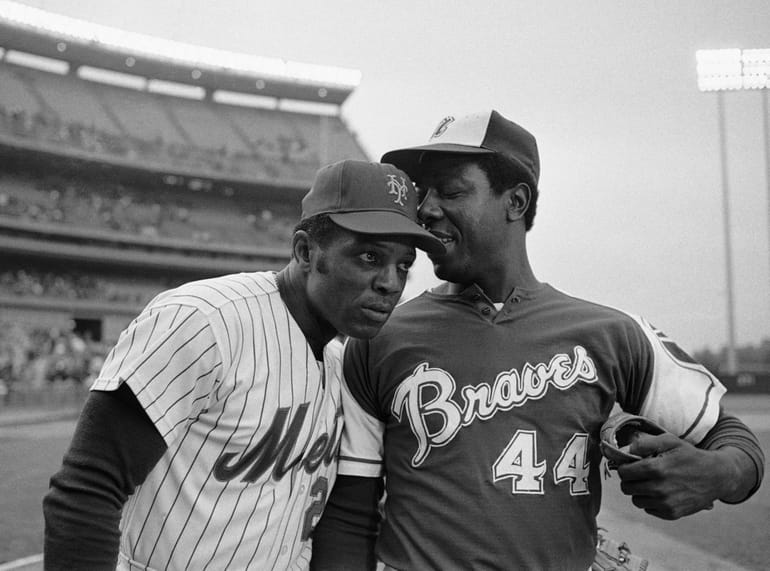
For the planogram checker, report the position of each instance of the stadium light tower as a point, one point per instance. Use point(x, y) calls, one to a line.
point(732, 70)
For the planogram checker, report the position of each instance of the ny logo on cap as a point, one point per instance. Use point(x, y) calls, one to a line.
point(398, 188)
point(442, 126)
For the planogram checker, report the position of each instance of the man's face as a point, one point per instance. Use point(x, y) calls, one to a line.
point(460, 207)
point(356, 280)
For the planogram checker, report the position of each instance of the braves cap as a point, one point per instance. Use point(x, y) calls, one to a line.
point(369, 198)
point(479, 133)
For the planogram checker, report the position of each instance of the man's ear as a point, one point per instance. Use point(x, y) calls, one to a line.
point(518, 199)
point(300, 249)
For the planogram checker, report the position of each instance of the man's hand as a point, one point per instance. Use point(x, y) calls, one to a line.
point(674, 478)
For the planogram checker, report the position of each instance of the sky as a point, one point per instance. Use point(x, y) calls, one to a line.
point(630, 212)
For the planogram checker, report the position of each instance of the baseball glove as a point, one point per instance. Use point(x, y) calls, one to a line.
point(613, 556)
point(619, 432)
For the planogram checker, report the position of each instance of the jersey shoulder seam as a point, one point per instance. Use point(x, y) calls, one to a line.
point(192, 294)
point(628, 315)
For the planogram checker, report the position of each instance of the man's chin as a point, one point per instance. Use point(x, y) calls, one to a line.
point(364, 330)
point(443, 271)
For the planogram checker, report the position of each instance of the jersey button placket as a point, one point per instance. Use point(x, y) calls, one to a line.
point(514, 300)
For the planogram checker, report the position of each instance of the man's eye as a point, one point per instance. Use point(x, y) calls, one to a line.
point(369, 257)
point(405, 266)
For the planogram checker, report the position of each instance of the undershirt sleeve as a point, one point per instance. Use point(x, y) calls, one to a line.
point(345, 537)
point(730, 431)
point(113, 449)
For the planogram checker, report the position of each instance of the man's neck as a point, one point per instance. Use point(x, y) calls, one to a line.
point(291, 286)
point(507, 268)
point(499, 283)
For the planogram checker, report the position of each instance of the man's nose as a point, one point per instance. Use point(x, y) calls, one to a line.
point(429, 208)
point(389, 280)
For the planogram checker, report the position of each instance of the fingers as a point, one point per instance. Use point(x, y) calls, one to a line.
point(660, 507)
point(670, 508)
point(673, 479)
point(644, 470)
point(645, 445)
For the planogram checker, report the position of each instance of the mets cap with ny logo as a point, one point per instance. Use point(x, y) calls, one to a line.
point(487, 132)
point(369, 198)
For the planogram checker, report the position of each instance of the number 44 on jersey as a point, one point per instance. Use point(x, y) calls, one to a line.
point(518, 461)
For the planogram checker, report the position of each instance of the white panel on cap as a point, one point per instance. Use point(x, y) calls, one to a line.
point(468, 130)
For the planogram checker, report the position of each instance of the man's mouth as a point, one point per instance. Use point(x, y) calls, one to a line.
point(444, 237)
point(377, 312)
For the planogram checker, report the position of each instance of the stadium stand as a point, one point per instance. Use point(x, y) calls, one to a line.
point(129, 209)
point(141, 116)
point(14, 94)
point(243, 142)
point(70, 101)
point(110, 194)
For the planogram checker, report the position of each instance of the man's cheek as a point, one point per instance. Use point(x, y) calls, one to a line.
point(321, 266)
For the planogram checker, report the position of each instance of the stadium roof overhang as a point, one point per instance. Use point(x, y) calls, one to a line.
point(212, 70)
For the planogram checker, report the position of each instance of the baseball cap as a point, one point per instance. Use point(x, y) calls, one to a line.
point(478, 133)
point(369, 198)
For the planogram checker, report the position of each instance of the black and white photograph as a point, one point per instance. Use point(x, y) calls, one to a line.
point(384, 285)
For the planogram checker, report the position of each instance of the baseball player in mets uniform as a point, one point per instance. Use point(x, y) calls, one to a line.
point(482, 401)
point(210, 437)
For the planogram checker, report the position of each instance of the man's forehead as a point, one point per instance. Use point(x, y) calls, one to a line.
point(382, 241)
point(441, 167)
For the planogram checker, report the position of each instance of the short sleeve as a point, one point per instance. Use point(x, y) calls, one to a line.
point(169, 358)
point(361, 448)
point(683, 396)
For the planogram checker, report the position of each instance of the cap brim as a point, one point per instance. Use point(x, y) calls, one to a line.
point(381, 223)
point(408, 159)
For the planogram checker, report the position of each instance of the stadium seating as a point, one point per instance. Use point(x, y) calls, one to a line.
point(71, 101)
point(33, 359)
point(123, 208)
point(142, 116)
point(14, 95)
point(230, 140)
point(205, 128)
point(68, 285)
point(109, 195)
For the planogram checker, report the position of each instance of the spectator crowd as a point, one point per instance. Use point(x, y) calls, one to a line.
point(270, 148)
point(120, 208)
point(283, 158)
point(70, 286)
point(33, 359)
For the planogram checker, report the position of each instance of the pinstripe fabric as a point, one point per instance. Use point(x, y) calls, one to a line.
point(251, 420)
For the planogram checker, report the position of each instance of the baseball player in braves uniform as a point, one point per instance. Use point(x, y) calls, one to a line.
point(482, 401)
point(210, 437)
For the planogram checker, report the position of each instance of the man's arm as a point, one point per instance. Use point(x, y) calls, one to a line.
point(733, 435)
point(675, 478)
point(114, 447)
point(344, 538)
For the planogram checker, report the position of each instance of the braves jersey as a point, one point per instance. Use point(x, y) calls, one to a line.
point(251, 420)
point(486, 423)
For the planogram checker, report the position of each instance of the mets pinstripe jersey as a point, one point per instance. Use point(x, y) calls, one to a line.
point(251, 419)
point(487, 422)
